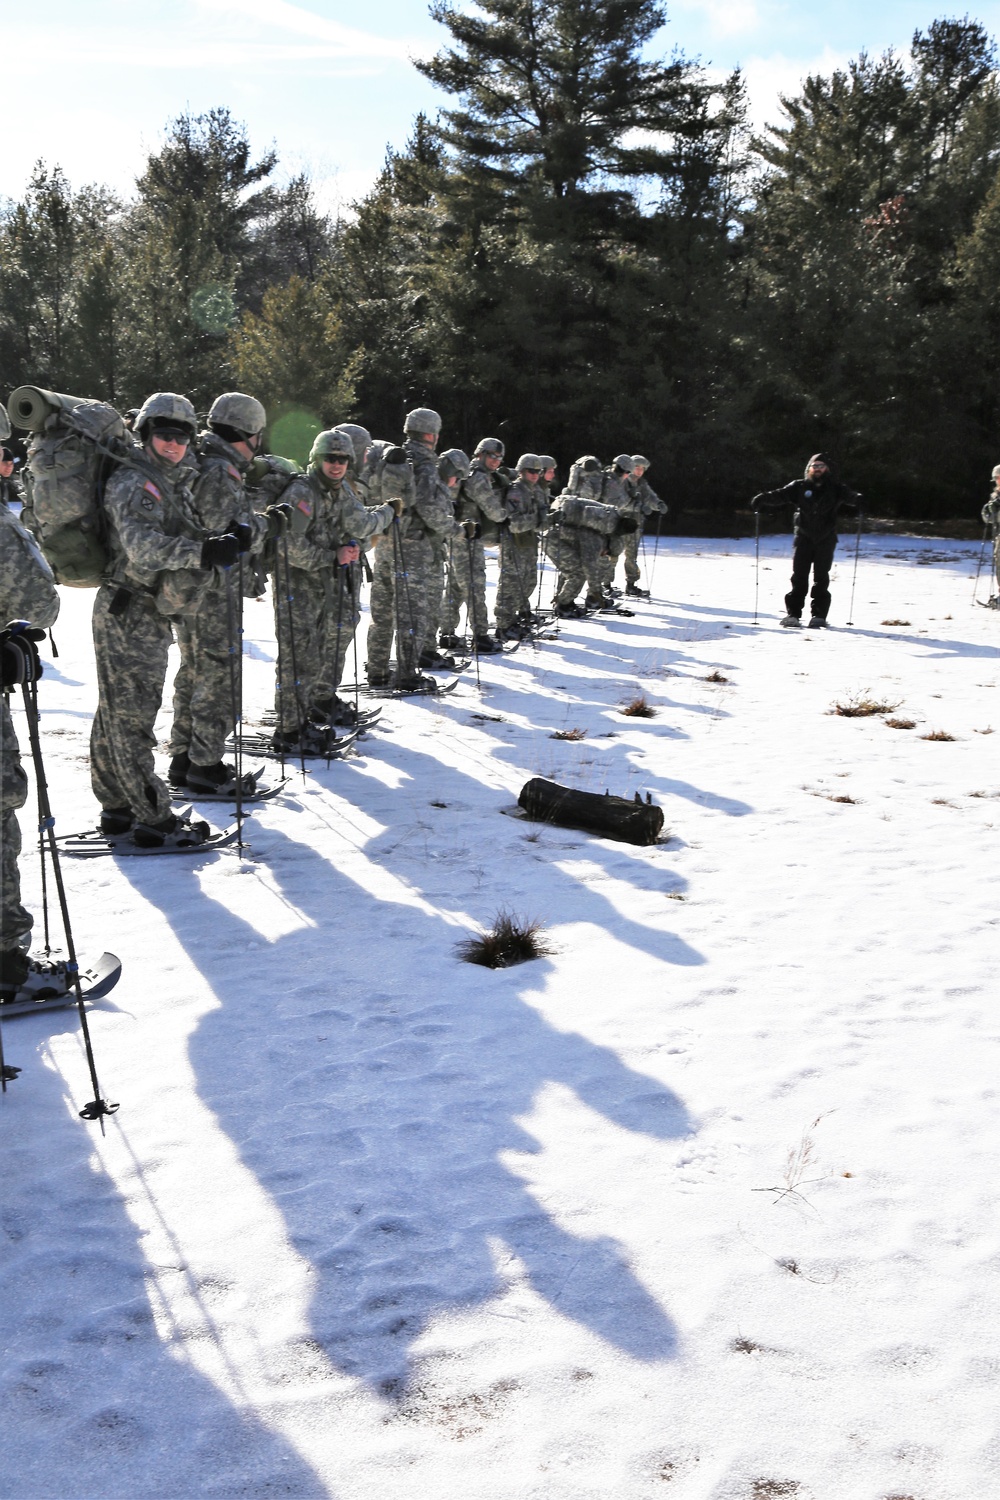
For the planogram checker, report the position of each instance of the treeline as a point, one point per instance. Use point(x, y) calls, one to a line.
point(586, 251)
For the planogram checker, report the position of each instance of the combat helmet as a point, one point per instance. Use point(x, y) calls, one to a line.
point(638, 462)
point(422, 419)
point(238, 414)
point(361, 439)
point(529, 461)
point(163, 412)
point(547, 461)
point(453, 463)
point(333, 443)
point(489, 448)
point(624, 462)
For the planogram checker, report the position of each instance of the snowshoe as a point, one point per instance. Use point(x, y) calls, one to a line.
point(485, 645)
point(571, 611)
point(817, 623)
point(220, 780)
point(441, 660)
point(175, 832)
point(792, 622)
point(635, 592)
point(49, 987)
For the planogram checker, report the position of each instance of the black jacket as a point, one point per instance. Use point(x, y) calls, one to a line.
point(816, 506)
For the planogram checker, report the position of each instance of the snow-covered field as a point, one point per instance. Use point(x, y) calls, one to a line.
point(702, 1205)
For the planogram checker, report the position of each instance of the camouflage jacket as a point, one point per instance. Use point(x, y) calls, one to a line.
point(482, 494)
point(643, 499)
point(432, 513)
point(220, 496)
point(324, 518)
point(991, 511)
point(155, 537)
point(615, 491)
point(525, 509)
point(11, 492)
point(27, 587)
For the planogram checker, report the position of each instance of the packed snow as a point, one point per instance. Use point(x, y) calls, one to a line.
point(699, 1205)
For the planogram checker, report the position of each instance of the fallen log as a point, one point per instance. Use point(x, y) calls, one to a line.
point(635, 822)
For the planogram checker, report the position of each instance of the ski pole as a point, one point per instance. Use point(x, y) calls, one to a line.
point(854, 579)
point(756, 563)
point(979, 565)
point(98, 1106)
point(403, 576)
point(355, 612)
point(656, 549)
point(236, 706)
point(291, 651)
point(472, 611)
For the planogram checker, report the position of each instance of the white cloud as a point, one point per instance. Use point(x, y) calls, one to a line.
point(767, 77)
point(343, 41)
point(725, 17)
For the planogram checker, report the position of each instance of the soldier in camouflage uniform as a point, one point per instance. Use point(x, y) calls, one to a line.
point(162, 563)
point(406, 589)
point(580, 551)
point(614, 491)
point(27, 592)
point(991, 518)
point(642, 502)
point(10, 487)
point(453, 469)
point(316, 611)
point(480, 499)
point(526, 513)
point(210, 638)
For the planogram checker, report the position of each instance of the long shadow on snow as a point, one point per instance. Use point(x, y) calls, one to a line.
point(613, 768)
point(530, 670)
point(378, 1112)
point(95, 1402)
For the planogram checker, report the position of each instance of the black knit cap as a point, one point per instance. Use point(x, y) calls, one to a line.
point(820, 458)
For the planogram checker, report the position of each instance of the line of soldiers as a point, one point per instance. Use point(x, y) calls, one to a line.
point(207, 517)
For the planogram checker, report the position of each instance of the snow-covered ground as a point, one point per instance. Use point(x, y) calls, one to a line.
point(701, 1205)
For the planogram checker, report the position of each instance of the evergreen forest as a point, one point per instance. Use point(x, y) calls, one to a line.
point(587, 251)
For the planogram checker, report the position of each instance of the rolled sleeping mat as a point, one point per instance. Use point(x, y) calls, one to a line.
point(30, 407)
point(635, 822)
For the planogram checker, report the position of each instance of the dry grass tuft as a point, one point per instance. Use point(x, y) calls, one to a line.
point(900, 723)
point(716, 676)
point(896, 622)
point(858, 706)
point(938, 734)
point(639, 708)
point(569, 734)
point(511, 940)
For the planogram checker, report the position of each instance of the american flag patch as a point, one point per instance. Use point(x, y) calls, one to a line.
point(151, 489)
point(305, 507)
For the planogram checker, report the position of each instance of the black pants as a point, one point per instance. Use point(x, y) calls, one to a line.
point(817, 554)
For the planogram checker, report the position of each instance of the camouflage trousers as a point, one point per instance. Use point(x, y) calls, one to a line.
point(131, 651)
point(579, 555)
point(630, 551)
point(466, 585)
point(518, 575)
point(996, 559)
point(407, 583)
point(15, 921)
point(300, 600)
point(204, 684)
point(343, 615)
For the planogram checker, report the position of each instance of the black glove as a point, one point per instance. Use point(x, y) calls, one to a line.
point(471, 529)
point(220, 551)
point(19, 659)
point(244, 536)
point(277, 517)
point(626, 525)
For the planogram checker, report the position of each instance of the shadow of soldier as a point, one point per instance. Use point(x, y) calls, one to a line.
point(96, 1400)
point(377, 1093)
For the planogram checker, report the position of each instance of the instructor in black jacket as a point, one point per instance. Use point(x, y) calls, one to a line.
point(817, 499)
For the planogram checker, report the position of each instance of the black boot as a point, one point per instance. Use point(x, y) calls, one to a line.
point(116, 820)
point(178, 769)
point(182, 832)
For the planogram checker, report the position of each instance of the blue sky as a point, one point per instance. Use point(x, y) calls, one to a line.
point(91, 83)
